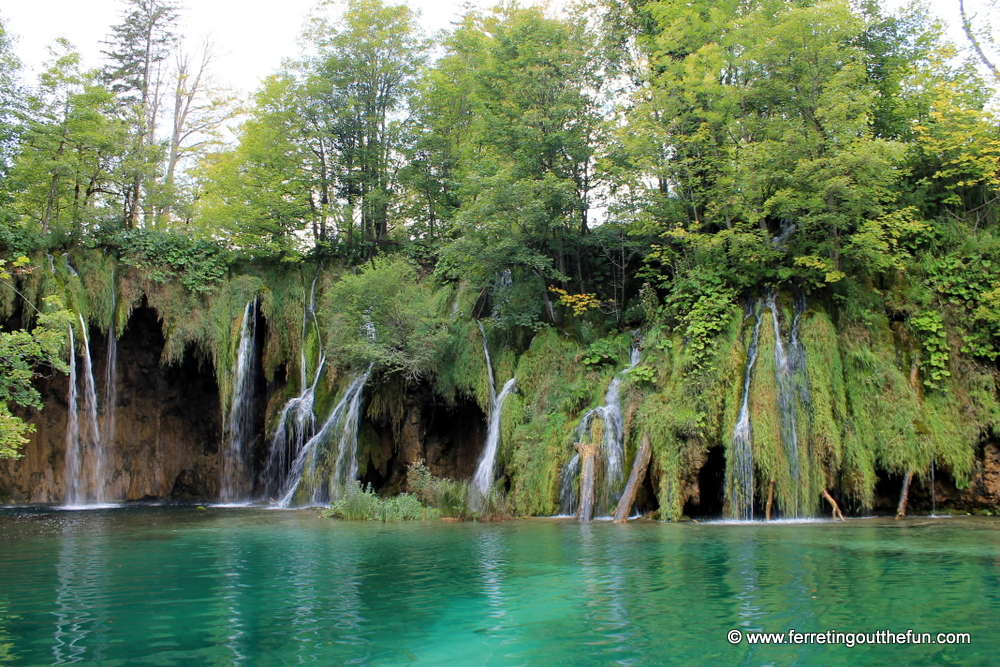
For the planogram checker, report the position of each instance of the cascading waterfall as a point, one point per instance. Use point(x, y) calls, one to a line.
point(314, 456)
point(86, 454)
point(72, 471)
point(296, 426)
point(95, 445)
point(740, 471)
point(612, 450)
point(567, 496)
point(483, 479)
point(235, 480)
point(110, 398)
point(297, 421)
point(784, 370)
point(347, 448)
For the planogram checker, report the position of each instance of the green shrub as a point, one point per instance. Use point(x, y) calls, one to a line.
point(363, 504)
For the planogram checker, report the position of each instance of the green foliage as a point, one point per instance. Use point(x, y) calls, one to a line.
point(382, 316)
point(460, 367)
point(642, 373)
point(449, 497)
point(23, 355)
point(930, 328)
point(605, 351)
point(198, 264)
point(363, 504)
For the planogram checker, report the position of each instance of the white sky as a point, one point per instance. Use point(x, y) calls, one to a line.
point(251, 37)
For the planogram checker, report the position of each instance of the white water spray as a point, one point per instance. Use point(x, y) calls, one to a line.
point(235, 480)
point(612, 450)
point(483, 479)
point(740, 471)
point(306, 471)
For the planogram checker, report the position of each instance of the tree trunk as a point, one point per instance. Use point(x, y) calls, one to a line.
point(835, 508)
point(639, 467)
point(588, 458)
point(904, 494)
point(770, 501)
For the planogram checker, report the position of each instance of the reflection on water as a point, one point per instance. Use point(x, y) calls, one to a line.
point(80, 607)
point(175, 586)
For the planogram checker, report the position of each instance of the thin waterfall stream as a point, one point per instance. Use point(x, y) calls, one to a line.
point(86, 454)
point(612, 446)
point(483, 478)
point(784, 370)
point(312, 460)
point(297, 421)
point(71, 472)
point(94, 472)
point(740, 471)
point(235, 482)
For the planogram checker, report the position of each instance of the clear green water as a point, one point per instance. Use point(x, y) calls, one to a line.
point(176, 586)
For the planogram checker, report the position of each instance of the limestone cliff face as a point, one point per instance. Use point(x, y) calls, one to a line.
point(167, 426)
point(168, 434)
point(981, 493)
point(448, 438)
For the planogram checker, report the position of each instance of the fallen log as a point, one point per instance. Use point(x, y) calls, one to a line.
point(770, 501)
point(903, 495)
point(638, 474)
point(837, 514)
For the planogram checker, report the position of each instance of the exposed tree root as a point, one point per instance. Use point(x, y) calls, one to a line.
point(837, 514)
point(638, 474)
point(904, 494)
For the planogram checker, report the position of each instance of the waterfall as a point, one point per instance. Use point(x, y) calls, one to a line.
point(347, 447)
point(72, 470)
point(740, 475)
point(483, 479)
point(297, 421)
point(489, 365)
point(567, 498)
point(296, 426)
point(235, 479)
point(111, 375)
point(96, 444)
point(86, 454)
point(784, 371)
point(612, 449)
point(313, 456)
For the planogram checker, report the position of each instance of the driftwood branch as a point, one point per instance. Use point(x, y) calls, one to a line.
point(835, 508)
point(904, 494)
point(770, 501)
point(639, 468)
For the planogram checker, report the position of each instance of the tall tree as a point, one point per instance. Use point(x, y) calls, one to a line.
point(364, 73)
point(198, 112)
point(11, 100)
point(137, 50)
point(520, 90)
point(71, 148)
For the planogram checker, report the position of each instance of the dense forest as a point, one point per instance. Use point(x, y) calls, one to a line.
point(781, 217)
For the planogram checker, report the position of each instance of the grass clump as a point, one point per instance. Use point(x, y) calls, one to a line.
point(455, 499)
point(361, 503)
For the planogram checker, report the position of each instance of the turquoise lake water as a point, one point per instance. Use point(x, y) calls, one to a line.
point(178, 586)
